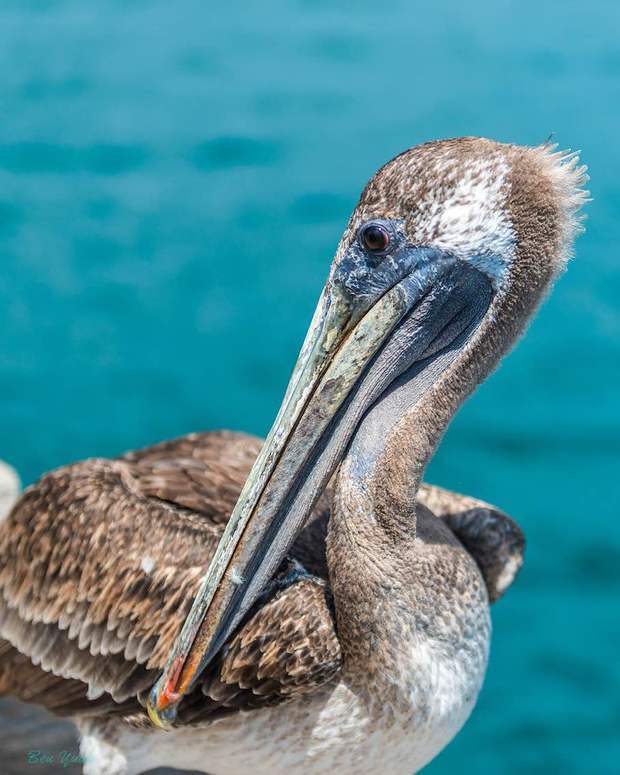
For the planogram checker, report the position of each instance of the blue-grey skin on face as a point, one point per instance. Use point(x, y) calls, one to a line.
point(390, 312)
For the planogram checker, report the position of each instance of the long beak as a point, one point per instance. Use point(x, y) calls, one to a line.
point(302, 450)
point(341, 340)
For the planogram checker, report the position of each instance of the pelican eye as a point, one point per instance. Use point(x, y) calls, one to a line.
point(374, 238)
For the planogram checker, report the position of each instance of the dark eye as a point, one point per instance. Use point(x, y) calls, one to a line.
point(374, 238)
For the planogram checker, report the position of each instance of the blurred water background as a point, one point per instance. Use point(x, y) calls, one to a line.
point(174, 178)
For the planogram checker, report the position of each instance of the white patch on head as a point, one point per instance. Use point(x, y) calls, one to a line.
point(147, 564)
point(471, 218)
point(457, 196)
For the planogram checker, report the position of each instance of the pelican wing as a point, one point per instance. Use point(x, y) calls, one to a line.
point(493, 539)
point(21, 678)
point(96, 577)
point(287, 648)
point(100, 562)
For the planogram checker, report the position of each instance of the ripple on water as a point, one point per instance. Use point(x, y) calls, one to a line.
point(235, 151)
point(100, 158)
point(11, 216)
point(320, 207)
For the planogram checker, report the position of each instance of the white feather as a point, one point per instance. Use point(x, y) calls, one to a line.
point(10, 488)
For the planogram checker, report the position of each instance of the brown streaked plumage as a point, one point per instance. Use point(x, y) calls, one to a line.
point(94, 618)
point(368, 647)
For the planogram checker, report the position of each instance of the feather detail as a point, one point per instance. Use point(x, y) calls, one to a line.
point(87, 623)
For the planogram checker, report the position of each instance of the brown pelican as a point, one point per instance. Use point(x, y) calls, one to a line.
point(341, 623)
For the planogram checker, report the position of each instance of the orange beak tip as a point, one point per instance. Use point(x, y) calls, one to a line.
point(164, 698)
point(167, 698)
point(162, 718)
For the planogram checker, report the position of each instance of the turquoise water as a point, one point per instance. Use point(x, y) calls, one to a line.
point(173, 181)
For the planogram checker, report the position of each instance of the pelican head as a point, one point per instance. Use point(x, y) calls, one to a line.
point(448, 252)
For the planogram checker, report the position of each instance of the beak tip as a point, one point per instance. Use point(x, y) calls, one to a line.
point(163, 719)
point(162, 707)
